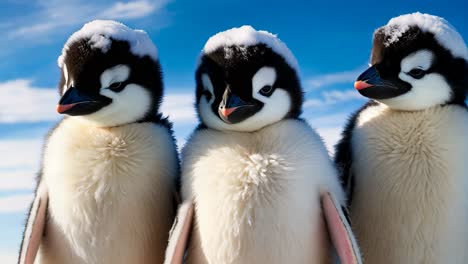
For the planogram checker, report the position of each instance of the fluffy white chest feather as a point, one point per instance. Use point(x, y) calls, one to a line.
point(257, 195)
point(110, 193)
point(410, 203)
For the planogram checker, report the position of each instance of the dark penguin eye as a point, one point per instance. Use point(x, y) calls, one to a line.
point(207, 94)
point(116, 87)
point(266, 90)
point(417, 73)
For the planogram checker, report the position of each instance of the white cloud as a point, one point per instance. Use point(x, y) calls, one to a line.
point(333, 97)
point(8, 257)
point(180, 108)
point(22, 102)
point(15, 203)
point(340, 96)
point(329, 128)
point(333, 78)
point(32, 30)
point(17, 180)
point(132, 10)
point(330, 136)
point(331, 120)
point(20, 154)
point(54, 16)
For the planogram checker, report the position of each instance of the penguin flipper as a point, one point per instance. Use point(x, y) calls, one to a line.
point(340, 231)
point(34, 228)
point(180, 233)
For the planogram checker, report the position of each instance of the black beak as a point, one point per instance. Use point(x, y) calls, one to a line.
point(233, 109)
point(75, 103)
point(371, 85)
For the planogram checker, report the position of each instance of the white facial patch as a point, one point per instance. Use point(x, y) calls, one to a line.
point(127, 106)
point(266, 76)
point(119, 73)
point(432, 89)
point(274, 109)
point(208, 85)
point(418, 60)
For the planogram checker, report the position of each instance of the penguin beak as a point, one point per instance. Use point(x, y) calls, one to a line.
point(371, 85)
point(233, 109)
point(75, 103)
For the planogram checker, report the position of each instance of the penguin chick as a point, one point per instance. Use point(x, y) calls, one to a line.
point(109, 168)
point(254, 170)
point(403, 155)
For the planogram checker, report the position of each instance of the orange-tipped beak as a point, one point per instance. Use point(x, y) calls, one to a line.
point(62, 108)
point(227, 111)
point(359, 85)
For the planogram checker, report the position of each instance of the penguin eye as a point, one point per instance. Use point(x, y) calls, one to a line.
point(266, 90)
point(116, 87)
point(207, 94)
point(417, 73)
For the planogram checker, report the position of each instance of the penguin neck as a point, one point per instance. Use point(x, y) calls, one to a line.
point(156, 118)
point(449, 104)
point(202, 126)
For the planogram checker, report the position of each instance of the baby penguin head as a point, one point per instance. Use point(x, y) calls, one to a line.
point(417, 61)
point(246, 80)
point(110, 75)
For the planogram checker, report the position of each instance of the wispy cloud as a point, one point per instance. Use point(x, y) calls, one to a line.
point(15, 203)
point(19, 154)
point(328, 79)
point(329, 128)
point(21, 101)
point(132, 10)
point(9, 257)
point(179, 107)
point(329, 120)
point(330, 136)
point(17, 180)
point(55, 16)
point(333, 97)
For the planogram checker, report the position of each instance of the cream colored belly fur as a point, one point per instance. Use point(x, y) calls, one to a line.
point(410, 202)
point(110, 194)
point(257, 195)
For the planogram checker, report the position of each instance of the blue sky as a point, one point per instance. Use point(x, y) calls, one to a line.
point(331, 40)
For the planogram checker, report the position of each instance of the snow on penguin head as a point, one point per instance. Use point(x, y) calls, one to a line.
point(443, 32)
point(246, 79)
point(417, 61)
point(101, 32)
point(248, 36)
point(110, 75)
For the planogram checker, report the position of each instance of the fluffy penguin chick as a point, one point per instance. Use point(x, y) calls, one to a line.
point(253, 168)
point(109, 168)
point(404, 155)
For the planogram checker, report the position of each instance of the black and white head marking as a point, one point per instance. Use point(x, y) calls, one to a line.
point(109, 87)
point(244, 88)
point(413, 72)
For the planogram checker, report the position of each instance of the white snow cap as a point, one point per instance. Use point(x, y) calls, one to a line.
point(445, 34)
point(248, 36)
point(99, 33)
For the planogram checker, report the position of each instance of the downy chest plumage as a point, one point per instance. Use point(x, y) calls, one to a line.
point(410, 203)
point(257, 195)
point(109, 193)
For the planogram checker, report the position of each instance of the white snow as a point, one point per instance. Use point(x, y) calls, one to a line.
point(100, 31)
point(248, 36)
point(445, 34)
